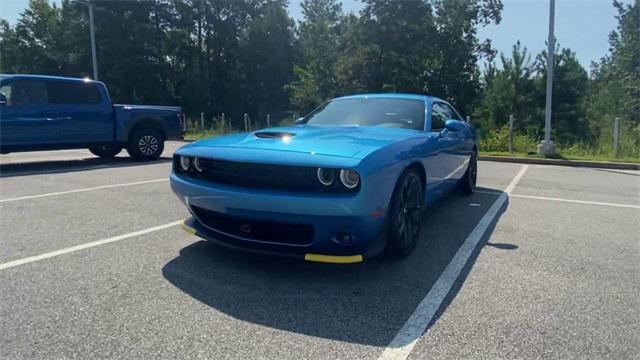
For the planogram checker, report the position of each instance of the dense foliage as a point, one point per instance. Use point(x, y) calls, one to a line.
point(249, 56)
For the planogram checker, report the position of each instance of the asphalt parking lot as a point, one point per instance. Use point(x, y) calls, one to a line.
point(542, 262)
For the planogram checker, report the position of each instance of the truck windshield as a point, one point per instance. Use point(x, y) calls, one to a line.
point(380, 112)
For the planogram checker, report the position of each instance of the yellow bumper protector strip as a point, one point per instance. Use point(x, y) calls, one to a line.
point(333, 258)
point(188, 229)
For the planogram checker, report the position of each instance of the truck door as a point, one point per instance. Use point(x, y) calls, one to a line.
point(86, 114)
point(27, 118)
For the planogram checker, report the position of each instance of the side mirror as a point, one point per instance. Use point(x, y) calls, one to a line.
point(3, 99)
point(454, 125)
point(299, 121)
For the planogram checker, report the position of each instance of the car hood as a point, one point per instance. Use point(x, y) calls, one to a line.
point(341, 141)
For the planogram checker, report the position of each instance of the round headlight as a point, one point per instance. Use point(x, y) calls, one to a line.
point(349, 178)
point(185, 161)
point(326, 176)
point(196, 164)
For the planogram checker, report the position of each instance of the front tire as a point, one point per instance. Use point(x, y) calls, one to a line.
point(106, 151)
point(405, 215)
point(468, 182)
point(145, 144)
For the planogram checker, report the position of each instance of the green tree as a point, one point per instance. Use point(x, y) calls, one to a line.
point(417, 46)
point(615, 91)
point(508, 90)
point(268, 61)
point(451, 70)
point(570, 86)
point(35, 40)
point(319, 42)
point(387, 47)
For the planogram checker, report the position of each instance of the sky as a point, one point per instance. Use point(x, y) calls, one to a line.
point(581, 25)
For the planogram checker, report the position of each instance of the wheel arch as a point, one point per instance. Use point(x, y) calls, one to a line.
point(422, 172)
point(148, 123)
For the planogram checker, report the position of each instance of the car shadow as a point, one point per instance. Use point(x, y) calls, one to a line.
point(364, 303)
point(63, 166)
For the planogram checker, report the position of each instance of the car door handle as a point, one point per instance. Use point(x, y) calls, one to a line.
point(65, 118)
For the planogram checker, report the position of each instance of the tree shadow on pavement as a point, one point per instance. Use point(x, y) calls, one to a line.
point(363, 303)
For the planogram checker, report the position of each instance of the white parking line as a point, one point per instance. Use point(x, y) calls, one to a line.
point(71, 249)
point(405, 340)
point(490, 192)
point(575, 201)
point(82, 190)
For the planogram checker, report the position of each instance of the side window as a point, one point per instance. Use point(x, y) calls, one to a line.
point(6, 91)
point(62, 92)
point(440, 113)
point(454, 114)
point(25, 93)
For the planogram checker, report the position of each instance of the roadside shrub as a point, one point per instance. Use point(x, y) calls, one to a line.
point(498, 141)
point(495, 140)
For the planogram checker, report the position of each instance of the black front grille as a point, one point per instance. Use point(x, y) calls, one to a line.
point(265, 176)
point(258, 230)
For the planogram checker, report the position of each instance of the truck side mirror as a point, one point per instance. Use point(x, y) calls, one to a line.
point(454, 125)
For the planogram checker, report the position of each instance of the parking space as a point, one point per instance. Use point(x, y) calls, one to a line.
point(586, 184)
point(504, 276)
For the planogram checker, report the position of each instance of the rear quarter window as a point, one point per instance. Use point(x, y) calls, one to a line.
point(73, 93)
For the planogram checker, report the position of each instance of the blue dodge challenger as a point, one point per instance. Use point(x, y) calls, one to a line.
point(348, 181)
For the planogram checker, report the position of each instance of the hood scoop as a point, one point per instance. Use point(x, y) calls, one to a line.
point(273, 134)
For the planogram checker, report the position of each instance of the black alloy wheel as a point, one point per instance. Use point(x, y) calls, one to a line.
point(468, 181)
point(405, 216)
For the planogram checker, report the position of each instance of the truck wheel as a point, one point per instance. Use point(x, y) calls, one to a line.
point(106, 151)
point(145, 144)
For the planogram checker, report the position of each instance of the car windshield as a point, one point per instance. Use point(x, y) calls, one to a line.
point(381, 112)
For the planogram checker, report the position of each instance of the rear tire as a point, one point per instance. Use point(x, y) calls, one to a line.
point(106, 151)
point(467, 184)
point(145, 144)
point(405, 215)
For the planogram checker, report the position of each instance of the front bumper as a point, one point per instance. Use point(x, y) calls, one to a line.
point(329, 215)
point(193, 227)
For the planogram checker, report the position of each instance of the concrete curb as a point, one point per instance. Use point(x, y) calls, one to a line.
point(562, 162)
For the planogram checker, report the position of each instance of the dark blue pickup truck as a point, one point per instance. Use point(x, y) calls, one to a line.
point(50, 113)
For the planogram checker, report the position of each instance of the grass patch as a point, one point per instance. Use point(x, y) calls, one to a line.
point(606, 158)
point(198, 135)
point(496, 143)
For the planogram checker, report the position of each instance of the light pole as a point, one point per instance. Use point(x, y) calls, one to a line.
point(93, 42)
point(546, 146)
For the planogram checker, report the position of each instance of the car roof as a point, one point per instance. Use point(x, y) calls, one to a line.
point(43, 77)
point(409, 96)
